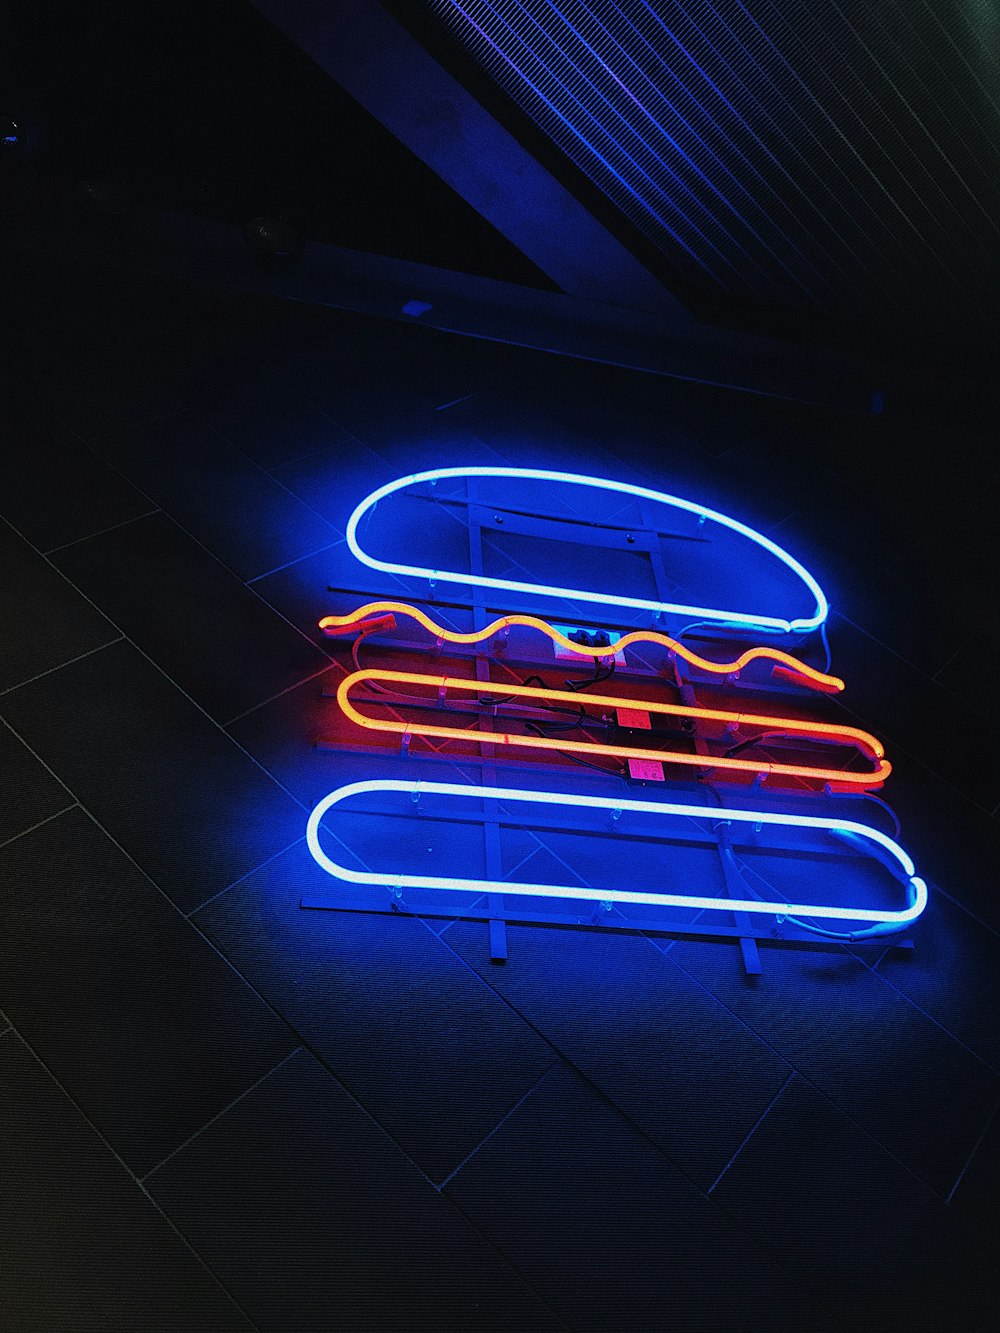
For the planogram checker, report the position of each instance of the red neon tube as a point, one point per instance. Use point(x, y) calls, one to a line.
point(817, 731)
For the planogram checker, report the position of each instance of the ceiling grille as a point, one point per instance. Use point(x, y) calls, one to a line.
point(843, 156)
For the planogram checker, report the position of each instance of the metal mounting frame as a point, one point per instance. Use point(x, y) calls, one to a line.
point(490, 906)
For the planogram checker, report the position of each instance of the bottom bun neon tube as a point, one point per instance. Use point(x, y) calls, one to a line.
point(901, 864)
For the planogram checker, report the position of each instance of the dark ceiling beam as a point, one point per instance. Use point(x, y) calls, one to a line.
point(383, 67)
point(44, 216)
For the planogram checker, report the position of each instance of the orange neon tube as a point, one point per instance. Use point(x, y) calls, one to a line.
point(791, 666)
point(862, 740)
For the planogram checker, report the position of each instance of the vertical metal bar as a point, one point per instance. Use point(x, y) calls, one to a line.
point(748, 945)
point(491, 827)
point(655, 558)
point(735, 888)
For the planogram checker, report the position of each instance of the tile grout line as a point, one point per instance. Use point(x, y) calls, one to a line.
point(280, 695)
point(944, 665)
point(964, 908)
point(137, 424)
point(975, 1148)
point(42, 674)
point(156, 667)
point(443, 407)
point(878, 961)
point(453, 920)
point(195, 910)
point(101, 531)
point(129, 1172)
point(869, 1134)
point(304, 1044)
point(874, 969)
point(165, 896)
point(264, 362)
point(499, 1124)
point(311, 453)
point(565, 1058)
point(218, 1115)
point(287, 489)
point(676, 937)
point(298, 559)
point(218, 725)
point(607, 1100)
point(307, 1046)
point(271, 477)
point(753, 1130)
point(894, 652)
point(14, 732)
point(197, 540)
point(41, 823)
point(904, 750)
point(180, 689)
point(925, 677)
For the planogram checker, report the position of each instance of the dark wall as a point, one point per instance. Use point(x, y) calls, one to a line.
point(204, 108)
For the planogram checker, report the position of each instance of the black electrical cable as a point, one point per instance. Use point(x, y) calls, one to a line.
point(579, 719)
point(751, 740)
point(600, 675)
point(587, 763)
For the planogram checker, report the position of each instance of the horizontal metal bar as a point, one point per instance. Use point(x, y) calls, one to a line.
point(526, 521)
point(608, 920)
point(500, 520)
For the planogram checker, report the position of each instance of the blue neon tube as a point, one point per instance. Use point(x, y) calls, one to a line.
point(915, 887)
point(742, 619)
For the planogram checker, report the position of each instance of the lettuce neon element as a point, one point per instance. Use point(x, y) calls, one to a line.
point(742, 619)
point(884, 849)
point(382, 616)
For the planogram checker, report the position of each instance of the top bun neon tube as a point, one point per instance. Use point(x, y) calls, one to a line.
point(800, 624)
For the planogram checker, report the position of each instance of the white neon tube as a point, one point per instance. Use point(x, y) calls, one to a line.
point(916, 888)
point(798, 625)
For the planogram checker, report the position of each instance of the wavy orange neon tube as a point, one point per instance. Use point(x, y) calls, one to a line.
point(791, 666)
point(822, 731)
